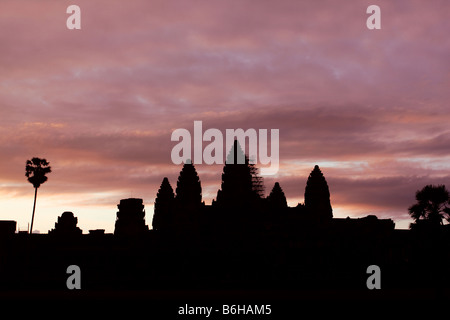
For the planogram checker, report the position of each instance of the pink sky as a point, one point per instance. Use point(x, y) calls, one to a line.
point(100, 103)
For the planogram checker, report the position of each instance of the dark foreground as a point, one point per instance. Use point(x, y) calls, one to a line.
point(318, 264)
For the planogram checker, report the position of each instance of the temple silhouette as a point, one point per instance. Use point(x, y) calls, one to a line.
point(242, 241)
point(240, 209)
point(66, 225)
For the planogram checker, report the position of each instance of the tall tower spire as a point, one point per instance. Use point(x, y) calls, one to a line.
point(317, 196)
point(164, 207)
point(238, 181)
point(188, 199)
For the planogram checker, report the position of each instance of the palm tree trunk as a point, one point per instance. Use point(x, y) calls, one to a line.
point(34, 208)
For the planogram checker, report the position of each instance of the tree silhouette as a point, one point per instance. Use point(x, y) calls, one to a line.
point(36, 170)
point(317, 196)
point(276, 198)
point(163, 206)
point(432, 204)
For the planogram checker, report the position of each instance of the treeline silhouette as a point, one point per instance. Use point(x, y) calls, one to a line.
point(242, 241)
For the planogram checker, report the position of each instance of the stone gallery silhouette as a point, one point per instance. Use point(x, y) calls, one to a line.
point(242, 241)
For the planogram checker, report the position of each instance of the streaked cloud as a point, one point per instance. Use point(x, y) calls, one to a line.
point(370, 107)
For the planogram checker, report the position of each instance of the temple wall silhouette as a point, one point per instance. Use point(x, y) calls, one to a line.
point(66, 225)
point(130, 218)
point(7, 228)
point(243, 240)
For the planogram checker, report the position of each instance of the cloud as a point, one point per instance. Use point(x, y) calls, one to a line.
point(371, 107)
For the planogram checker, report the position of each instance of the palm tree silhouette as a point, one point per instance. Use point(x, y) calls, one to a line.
point(35, 171)
point(433, 204)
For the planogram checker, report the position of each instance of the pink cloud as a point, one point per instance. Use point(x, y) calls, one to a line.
point(100, 103)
